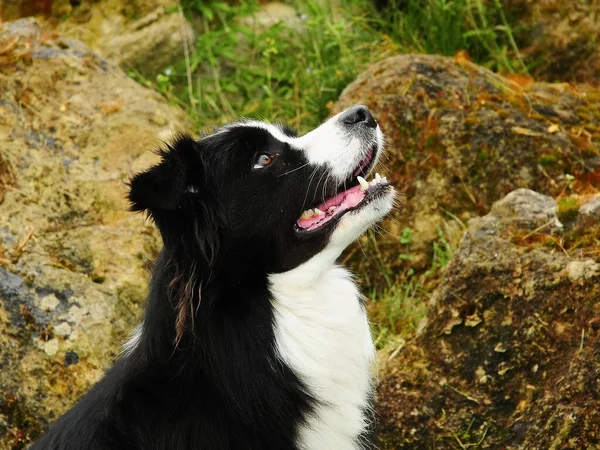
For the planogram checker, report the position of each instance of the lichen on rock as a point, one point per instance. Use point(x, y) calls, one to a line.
point(73, 259)
point(508, 354)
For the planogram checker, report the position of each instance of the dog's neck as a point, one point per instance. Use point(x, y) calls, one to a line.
point(237, 292)
point(322, 333)
point(231, 281)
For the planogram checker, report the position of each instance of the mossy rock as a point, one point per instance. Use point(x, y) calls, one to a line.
point(508, 354)
point(73, 259)
point(460, 137)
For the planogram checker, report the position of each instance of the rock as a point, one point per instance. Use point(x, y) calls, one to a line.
point(529, 209)
point(272, 13)
point(559, 37)
point(152, 43)
point(461, 137)
point(590, 211)
point(73, 260)
point(582, 269)
point(10, 10)
point(142, 34)
point(81, 11)
point(508, 354)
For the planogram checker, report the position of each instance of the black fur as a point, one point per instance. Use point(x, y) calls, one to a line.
point(205, 374)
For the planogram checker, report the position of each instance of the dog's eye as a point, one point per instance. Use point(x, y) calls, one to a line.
point(262, 161)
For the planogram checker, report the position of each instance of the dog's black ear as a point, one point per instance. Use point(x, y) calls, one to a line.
point(175, 194)
point(162, 187)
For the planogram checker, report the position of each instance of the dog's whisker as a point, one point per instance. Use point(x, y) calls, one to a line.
point(363, 252)
point(384, 167)
point(324, 193)
point(317, 186)
point(308, 188)
point(293, 170)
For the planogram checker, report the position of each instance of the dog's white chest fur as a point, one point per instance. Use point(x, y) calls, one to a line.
point(322, 333)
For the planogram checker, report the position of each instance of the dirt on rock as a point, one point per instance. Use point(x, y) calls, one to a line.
point(460, 137)
point(507, 357)
point(73, 259)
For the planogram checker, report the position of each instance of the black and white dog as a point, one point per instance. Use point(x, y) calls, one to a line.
point(253, 337)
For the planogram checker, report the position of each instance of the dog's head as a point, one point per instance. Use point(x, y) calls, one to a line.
point(258, 192)
point(253, 199)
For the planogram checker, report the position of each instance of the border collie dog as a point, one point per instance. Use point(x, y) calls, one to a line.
point(253, 337)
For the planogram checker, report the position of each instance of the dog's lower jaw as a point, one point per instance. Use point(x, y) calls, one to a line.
point(322, 333)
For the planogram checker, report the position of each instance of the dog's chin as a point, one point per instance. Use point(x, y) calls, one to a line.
point(360, 201)
point(376, 205)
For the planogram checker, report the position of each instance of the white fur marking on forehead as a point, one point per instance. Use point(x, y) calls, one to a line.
point(273, 130)
point(329, 144)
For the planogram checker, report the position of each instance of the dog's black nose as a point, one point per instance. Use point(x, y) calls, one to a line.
point(358, 114)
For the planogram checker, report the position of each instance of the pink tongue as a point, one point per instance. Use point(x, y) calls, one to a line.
point(343, 201)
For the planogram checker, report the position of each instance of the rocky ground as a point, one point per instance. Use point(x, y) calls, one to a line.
point(508, 355)
point(73, 260)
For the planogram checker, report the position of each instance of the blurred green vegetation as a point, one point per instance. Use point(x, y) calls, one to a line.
point(292, 72)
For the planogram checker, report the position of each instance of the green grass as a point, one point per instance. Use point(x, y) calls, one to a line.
point(445, 27)
point(281, 73)
point(399, 309)
point(442, 254)
point(294, 74)
point(400, 305)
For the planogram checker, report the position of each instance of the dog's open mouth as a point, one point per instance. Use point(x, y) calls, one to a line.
point(360, 193)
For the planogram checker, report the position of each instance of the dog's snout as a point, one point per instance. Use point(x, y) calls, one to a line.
point(359, 114)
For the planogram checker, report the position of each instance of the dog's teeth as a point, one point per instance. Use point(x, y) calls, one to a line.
point(307, 214)
point(318, 212)
point(364, 185)
point(373, 182)
point(384, 179)
point(331, 209)
point(378, 177)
